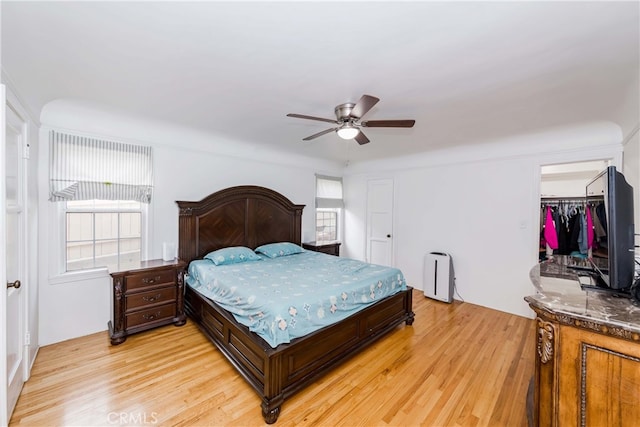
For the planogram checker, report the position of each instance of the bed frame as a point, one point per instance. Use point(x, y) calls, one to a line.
point(251, 216)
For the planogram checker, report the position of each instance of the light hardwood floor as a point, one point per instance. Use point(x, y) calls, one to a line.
point(458, 365)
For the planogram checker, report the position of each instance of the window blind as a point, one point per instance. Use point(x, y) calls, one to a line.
point(329, 192)
point(84, 168)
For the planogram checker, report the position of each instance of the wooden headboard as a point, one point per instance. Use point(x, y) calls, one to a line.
point(238, 216)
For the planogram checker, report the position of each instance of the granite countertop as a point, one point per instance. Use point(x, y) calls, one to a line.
point(559, 291)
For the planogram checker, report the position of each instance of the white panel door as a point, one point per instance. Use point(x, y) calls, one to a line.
point(14, 237)
point(380, 221)
point(4, 419)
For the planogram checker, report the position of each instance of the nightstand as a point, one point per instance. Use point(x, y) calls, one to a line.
point(331, 248)
point(146, 297)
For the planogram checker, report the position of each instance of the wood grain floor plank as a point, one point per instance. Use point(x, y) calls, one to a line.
point(458, 365)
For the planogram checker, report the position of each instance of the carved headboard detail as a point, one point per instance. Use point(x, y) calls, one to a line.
point(237, 216)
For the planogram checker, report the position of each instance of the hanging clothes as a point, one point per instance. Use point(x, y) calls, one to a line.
point(550, 233)
point(568, 218)
point(574, 228)
point(602, 216)
point(598, 228)
point(583, 236)
point(590, 231)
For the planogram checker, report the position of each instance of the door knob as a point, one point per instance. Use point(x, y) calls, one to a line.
point(15, 284)
point(388, 236)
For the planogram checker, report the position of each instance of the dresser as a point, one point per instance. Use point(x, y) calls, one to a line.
point(331, 248)
point(145, 297)
point(587, 368)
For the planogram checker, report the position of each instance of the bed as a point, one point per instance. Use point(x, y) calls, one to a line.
point(252, 216)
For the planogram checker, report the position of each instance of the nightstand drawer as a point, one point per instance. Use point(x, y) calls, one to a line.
point(151, 278)
point(150, 315)
point(150, 298)
point(146, 297)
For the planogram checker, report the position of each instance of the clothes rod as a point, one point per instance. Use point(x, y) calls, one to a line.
point(570, 198)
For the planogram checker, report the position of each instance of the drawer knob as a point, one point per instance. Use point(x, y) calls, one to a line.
point(151, 298)
point(151, 316)
point(150, 280)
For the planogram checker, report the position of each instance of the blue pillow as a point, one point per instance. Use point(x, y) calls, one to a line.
point(274, 250)
point(232, 255)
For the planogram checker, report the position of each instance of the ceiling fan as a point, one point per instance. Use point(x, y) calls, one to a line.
point(348, 120)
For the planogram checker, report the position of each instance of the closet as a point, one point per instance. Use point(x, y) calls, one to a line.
point(571, 226)
point(568, 224)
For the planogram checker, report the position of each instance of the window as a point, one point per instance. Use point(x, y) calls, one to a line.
point(329, 204)
point(326, 225)
point(102, 190)
point(103, 233)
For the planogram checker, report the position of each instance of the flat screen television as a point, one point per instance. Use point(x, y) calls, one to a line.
point(613, 198)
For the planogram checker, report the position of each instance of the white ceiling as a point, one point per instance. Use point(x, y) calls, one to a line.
point(467, 72)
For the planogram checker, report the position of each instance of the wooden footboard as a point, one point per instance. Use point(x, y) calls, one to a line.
point(277, 373)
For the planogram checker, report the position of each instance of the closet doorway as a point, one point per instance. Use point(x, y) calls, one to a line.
point(562, 195)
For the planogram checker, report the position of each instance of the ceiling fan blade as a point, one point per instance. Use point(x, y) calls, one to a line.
point(315, 135)
point(320, 119)
point(363, 106)
point(389, 123)
point(361, 138)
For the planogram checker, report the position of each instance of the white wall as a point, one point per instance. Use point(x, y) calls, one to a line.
point(569, 179)
point(565, 187)
point(479, 204)
point(630, 124)
point(631, 171)
point(188, 165)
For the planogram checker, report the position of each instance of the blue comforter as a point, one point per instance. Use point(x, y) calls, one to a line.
point(291, 296)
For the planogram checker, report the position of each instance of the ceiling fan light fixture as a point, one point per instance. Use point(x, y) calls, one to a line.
point(347, 131)
point(349, 120)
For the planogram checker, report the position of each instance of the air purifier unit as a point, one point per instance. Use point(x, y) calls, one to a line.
point(438, 276)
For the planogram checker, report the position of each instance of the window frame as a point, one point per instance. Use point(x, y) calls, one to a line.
point(58, 245)
point(94, 211)
point(338, 214)
point(329, 205)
